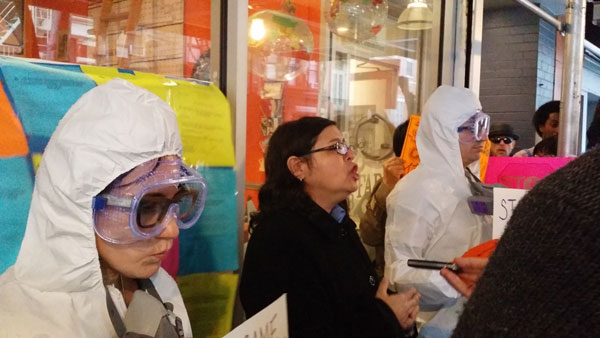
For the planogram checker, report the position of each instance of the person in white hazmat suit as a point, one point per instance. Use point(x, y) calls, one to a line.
point(110, 196)
point(428, 214)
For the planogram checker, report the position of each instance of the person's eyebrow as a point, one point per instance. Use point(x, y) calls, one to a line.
point(335, 139)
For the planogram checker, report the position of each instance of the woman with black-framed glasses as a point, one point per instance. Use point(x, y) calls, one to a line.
point(304, 244)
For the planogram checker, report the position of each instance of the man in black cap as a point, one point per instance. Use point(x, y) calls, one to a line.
point(503, 139)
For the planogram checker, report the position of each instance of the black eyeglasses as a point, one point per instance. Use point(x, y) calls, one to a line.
point(498, 139)
point(340, 147)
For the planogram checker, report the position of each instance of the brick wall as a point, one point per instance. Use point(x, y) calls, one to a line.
point(545, 62)
point(517, 56)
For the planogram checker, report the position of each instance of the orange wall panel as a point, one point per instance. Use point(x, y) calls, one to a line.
point(300, 95)
point(196, 27)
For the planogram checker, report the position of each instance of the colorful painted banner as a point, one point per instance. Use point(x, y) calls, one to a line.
point(40, 96)
point(522, 172)
point(37, 97)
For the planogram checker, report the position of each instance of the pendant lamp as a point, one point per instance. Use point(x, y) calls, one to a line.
point(416, 16)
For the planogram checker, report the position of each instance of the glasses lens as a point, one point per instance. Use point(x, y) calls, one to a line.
point(188, 201)
point(506, 140)
point(152, 209)
point(466, 133)
point(341, 148)
point(483, 126)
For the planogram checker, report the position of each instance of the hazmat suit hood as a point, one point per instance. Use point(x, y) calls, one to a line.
point(56, 278)
point(437, 137)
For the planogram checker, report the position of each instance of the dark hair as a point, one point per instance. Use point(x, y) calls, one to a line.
point(281, 188)
point(399, 136)
point(593, 132)
point(547, 146)
point(542, 114)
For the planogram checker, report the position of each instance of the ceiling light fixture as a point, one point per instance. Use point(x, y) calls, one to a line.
point(416, 16)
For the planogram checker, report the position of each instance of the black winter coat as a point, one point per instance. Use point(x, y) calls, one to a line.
point(323, 267)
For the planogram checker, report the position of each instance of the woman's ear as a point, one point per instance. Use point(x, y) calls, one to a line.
point(298, 167)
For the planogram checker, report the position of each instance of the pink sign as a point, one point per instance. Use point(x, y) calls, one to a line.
point(171, 261)
point(522, 172)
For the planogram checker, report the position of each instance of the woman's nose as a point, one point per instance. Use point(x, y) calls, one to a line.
point(171, 231)
point(351, 153)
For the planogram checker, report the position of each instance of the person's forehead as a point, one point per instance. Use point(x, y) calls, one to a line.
point(329, 134)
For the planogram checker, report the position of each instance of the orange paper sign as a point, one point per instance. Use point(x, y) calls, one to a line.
point(409, 154)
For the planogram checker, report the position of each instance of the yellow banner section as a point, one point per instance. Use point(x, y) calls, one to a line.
point(202, 111)
point(209, 300)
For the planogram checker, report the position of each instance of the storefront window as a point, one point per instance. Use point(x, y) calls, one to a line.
point(167, 37)
point(366, 64)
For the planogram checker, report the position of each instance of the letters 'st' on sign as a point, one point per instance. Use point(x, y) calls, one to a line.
point(505, 201)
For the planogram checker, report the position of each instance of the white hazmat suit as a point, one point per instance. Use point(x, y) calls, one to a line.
point(55, 288)
point(427, 212)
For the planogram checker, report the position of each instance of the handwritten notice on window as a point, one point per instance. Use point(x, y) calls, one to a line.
point(505, 202)
point(271, 322)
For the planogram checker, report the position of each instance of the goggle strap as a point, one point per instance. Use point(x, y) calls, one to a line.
point(98, 203)
point(115, 201)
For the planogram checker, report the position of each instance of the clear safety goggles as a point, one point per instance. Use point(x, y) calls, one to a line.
point(478, 126)
point(142, 208)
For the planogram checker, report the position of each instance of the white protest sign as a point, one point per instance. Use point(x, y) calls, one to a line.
point(270, 322)
point(505, 201)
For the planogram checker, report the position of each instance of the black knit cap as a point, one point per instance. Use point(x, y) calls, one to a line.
point(502, 129)
point(543, 279)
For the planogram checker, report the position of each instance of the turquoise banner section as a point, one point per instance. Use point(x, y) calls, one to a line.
point(212, 244)
point(41, 95)
point(16, 187)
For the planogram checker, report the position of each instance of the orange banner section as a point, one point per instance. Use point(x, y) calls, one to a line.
point(13, 141)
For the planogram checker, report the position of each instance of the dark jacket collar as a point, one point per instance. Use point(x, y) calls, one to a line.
point(324, 222)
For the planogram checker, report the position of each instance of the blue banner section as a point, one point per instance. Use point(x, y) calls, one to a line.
point(212, 244)
point(42, 94)
point(16, 187)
